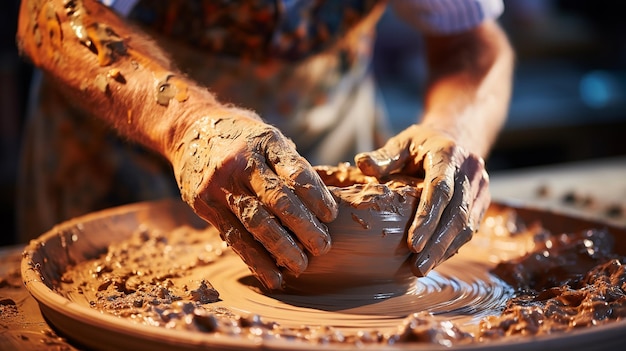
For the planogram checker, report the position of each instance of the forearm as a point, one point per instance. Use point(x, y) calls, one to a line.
point(112, 70)
point(469, 86)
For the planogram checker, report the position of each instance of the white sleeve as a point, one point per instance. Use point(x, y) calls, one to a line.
point(446, 16)
point(123, 7)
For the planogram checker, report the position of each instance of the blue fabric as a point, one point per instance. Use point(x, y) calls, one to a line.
point(430, 16)
point(446, 16)
point(123, 7)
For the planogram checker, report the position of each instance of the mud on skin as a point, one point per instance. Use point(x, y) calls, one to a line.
point(246, 178)
point(101, 40)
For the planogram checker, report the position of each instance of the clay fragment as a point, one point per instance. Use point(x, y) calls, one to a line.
point(169, 88)
point(101, 83)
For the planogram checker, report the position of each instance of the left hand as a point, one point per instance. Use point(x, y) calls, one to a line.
point(455, 196)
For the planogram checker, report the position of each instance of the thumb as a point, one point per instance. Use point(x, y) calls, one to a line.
point(382, 162)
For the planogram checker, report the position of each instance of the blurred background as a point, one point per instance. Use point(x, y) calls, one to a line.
point(569, 97)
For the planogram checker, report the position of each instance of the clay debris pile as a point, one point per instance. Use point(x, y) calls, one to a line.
point(567, 281)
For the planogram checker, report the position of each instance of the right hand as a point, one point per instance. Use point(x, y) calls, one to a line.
point(455, 196)
point(246, 178)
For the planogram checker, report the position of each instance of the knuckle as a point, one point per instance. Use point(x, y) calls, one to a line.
point(466, 235)
point(257, 218)
point(302, 176)
point(230, 235)
point(281, 246)
point(269, 135)
point(443, 186)
point(283, 202)
point(464, 212)
point(252, 214)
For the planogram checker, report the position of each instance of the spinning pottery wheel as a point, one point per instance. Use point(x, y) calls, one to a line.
point(462, 290)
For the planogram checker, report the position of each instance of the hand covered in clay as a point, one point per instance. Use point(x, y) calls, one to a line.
point(246, 178)
point(455, 195)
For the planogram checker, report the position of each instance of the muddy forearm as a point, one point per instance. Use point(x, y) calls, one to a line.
point(470, 86)
point(112, 70)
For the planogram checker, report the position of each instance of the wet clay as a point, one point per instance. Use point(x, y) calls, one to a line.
point(514, 280)
point(266, 200)
point(572, 280)
point(369, 244)
point(189, 280)
point(156, 278)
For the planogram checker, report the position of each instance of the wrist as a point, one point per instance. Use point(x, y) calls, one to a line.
point(202, 121)
point(199, 143)
point(465, 133)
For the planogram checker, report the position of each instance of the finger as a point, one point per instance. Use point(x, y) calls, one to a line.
point(284, 204)
point(476, 214)
point(479, 190)
point(453, 222)
point(266, 229)
point(252, 253)
point(482, 198)
point(436, 195)
point(481, 202)
point(461, 239)
point(385, 160)
point(474, 168)
point(300, 176)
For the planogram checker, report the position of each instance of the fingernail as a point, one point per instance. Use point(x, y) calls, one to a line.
point(298, 266)
point(322, 245)
point(417, 242)
point(271, 280)
point(427, 265)
point(379, 158)
point(366, 163)
point(361, 157)
point(421, 268)
point(331, 208)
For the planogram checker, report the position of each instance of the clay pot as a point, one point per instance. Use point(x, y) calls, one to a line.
point(369, 242)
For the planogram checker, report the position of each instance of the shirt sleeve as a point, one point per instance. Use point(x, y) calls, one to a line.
point(446, 16)
point(123, 7)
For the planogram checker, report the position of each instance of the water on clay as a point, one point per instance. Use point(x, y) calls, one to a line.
point(179, 262)
point(457, 291)
point(185, 278)
point(512, 279)
point(460, 290)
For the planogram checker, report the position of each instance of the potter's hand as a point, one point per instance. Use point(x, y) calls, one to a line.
point(246, 178)
point(455, 196)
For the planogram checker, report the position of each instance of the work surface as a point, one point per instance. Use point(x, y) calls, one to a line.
point(593, 189)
